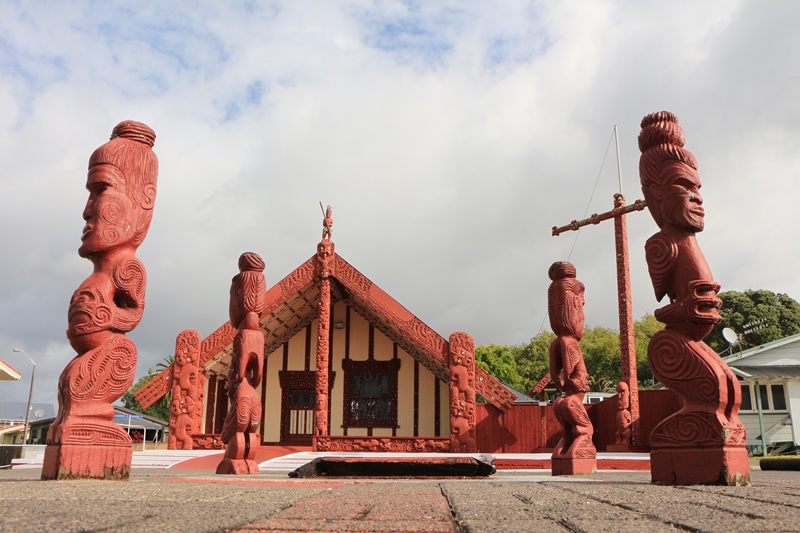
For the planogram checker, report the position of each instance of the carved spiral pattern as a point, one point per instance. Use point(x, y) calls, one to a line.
point(688, 429)
point(681, 364)
point(129, 275)
point(106, 372)
point(88, 312)
point(661, 253)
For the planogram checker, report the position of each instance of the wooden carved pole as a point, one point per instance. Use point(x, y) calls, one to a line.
point(324, 265)
point(248, 300)
point(84, 441)
point(704, 442)
point(462, 393)
point(575, 453)
point(626, 334)
point(187, 399)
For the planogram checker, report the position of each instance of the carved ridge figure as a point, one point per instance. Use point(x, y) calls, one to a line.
point(84, 441)
point(575, 453)
point(707, 430)
point(247, 303)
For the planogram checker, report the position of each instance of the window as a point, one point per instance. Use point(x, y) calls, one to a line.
point(747, 403)
point(370, 396)
point(778, 397)
point(772, 396)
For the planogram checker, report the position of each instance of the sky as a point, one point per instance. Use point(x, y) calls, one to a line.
point(449, 137)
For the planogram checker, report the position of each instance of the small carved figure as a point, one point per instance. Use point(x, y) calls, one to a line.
point(623, 414)
point(180, 421)
point(707, 430)
point(84, 441)
point(327, 223)
point(248, 300)
point(575, 453)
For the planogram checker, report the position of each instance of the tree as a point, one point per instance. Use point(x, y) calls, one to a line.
point(500, 362)
point(160, 409)
point(780, 315)
point(643, 331)
point(533, 358)
point(601, 352)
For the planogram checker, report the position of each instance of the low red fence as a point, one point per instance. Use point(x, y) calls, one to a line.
point(528, 428)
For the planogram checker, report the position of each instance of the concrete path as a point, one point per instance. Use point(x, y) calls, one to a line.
point(197, 500)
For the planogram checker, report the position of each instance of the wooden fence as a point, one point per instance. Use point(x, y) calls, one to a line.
point(529, 428)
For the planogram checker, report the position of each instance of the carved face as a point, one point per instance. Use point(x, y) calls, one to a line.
point(109, 214)
point(324, 250)
point(681, 203)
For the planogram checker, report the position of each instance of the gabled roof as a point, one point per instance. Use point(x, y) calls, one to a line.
point(8, 372)
point(292, 304)
point(733, 360)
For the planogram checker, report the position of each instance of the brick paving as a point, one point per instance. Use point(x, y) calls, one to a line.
point(197, 500)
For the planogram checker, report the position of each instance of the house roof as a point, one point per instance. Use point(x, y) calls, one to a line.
point(8, 372)
point(734, 359)
point(781, 371)
point(292, 304)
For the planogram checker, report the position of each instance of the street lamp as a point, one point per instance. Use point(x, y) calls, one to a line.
point(30, 396)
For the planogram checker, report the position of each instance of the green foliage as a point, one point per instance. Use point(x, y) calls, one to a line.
point(781, 312)
point(601, 353)
point(500, 362)
point(160, 409)
point(522, 366)
point(533, 359)
point(643, 331)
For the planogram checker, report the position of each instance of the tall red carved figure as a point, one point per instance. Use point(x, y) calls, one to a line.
point(84, 441)
point(704, 442)
point(248, 299)
point(575, 453)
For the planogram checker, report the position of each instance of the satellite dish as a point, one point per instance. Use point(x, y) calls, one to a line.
point(731, 337)
point(39, 413)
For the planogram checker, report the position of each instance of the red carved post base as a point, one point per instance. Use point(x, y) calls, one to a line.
point(717, 465)
point(462, 393)
point(81, 461)
point(84, 441)
point(248, 294)
point(704, 442)
point(575, 453)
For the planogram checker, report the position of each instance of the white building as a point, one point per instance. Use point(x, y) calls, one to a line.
point(772, 371)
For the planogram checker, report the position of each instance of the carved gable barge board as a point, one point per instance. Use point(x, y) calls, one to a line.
point(222, 338)
point(409, 332)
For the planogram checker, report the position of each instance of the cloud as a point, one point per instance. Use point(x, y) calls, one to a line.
point(449, 137)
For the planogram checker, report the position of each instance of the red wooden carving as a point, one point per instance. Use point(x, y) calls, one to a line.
point(382, 444)
point(84, 441)
point(574, 453)
point(622, 439)
point(187, 391)
point(703, 443)
point(324, 267)
point(248, 294)
point(462, 393)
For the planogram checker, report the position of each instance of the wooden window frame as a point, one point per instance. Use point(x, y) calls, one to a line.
point(370, 366)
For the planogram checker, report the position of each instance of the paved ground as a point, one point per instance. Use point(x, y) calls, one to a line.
point(197, 500)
